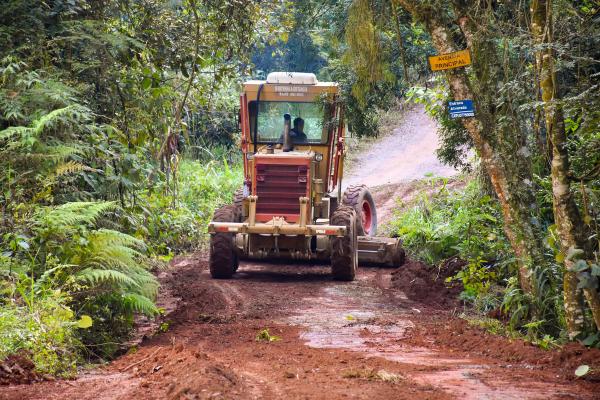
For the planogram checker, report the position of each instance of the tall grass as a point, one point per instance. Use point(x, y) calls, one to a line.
point(175, 223)
point(443, 223)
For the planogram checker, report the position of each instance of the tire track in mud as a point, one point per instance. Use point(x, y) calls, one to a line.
point(374, 320)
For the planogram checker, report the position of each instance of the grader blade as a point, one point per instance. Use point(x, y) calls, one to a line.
point(380, 251)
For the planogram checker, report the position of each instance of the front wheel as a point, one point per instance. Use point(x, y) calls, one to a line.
point(344, 250)
point(223, 261)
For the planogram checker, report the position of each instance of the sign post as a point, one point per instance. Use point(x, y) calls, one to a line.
point(450, 60)
point(461, 108)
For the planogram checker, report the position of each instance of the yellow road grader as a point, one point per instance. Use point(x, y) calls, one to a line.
point(291, 204)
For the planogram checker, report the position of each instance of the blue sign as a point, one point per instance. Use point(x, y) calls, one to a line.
point(461, 108)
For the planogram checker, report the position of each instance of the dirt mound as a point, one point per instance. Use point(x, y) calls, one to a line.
point(458, 334)
point(572, 355)
point(201, 300)
point(426, 284)
point(18, 369)
point(180, 371)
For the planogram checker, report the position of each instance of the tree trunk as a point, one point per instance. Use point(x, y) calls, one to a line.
point(506, 172)
point(400, 42)
point(570, 227)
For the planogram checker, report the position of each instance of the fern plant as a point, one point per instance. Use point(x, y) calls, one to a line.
point(99, 260)
point(47, 137)
point(68, 250)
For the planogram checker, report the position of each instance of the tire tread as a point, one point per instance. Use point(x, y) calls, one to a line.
point(343, 249)
point(222, 259)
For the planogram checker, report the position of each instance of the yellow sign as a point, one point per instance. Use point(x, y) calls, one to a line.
point(451, 60)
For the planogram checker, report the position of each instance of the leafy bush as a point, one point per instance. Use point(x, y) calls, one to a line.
point(173, 224)
point(443, 223)
point(86, 184)
point(466, 223)
point(64, 249)
point(45, 328)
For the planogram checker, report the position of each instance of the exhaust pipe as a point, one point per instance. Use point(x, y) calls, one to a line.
point(287, 140)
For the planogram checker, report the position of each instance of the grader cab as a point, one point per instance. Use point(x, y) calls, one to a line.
point(291, 203)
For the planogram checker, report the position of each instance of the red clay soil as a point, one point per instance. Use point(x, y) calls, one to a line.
point(386, 350)
point(457, 334)
point(427, 285)
point(18, 369)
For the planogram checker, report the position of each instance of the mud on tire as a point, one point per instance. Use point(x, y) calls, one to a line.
point(344, 250)
point(238, 203)
point(359, 198)
point(223, 260)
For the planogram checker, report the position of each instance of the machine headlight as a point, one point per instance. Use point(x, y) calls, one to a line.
point(318, 157)
point(249, 156)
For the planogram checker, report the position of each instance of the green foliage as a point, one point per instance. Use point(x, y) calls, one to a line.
point(454, 141)
point(89, 93)
point(442, 223)
point(497, 327)
point(173, 224)
point(43, 326)
point(102, 270)
point(363, 53)
point(352, 43)
point(265, 336)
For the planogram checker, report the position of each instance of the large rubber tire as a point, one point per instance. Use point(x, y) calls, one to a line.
point(238, 203)
point(223, 261)
point(344, 250)
point(359, 198)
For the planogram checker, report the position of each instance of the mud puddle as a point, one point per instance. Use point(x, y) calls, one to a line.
point(360, 318)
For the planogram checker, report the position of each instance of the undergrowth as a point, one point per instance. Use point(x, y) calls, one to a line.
point(70, 264)
point(467, 223)
point(176, 222)
point(442, 223)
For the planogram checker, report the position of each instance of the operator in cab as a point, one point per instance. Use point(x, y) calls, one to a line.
point(296, 133)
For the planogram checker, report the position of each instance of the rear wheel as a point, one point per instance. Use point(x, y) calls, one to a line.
point(344, 250)
point(223, 260)
point(359, 198)
point(238, 202)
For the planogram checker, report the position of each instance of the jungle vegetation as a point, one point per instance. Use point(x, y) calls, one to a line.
point(118, 123)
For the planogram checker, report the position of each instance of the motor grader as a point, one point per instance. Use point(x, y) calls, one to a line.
point(291, 204)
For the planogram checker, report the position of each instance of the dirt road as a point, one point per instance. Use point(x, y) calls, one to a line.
point(290, 332)
point(392, 166)
point(406, 154)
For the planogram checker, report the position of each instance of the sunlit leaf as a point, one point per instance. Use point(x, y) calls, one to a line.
point(582, 370)
point(146, 83)
point(84, 322)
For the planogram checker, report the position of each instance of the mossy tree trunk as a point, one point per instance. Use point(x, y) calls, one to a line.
point(400, 43)
point(570, 227)
point(502, 151)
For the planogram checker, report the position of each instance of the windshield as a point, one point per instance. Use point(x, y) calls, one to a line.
point(307, 122)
